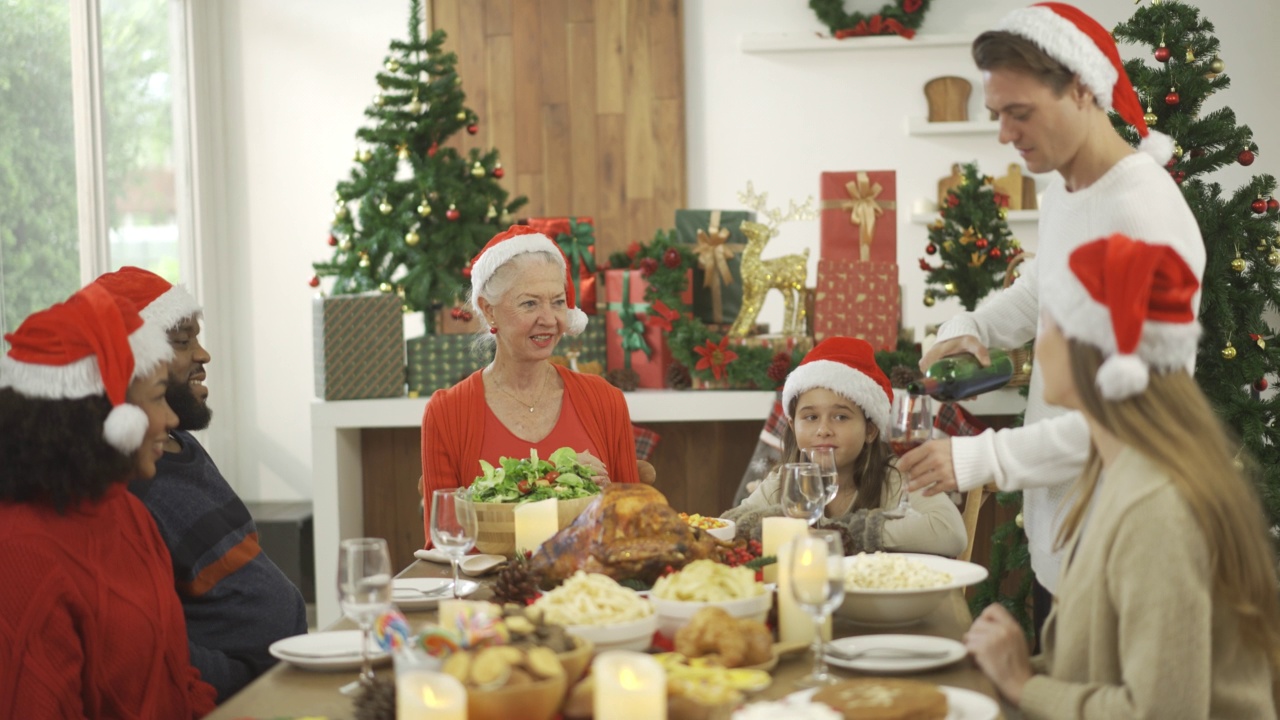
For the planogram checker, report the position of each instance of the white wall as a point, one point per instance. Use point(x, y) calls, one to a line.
point(298, 73)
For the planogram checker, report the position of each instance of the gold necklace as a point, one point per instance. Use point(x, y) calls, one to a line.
point(537, 397)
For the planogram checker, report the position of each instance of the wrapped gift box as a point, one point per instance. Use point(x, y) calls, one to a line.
point(776, 343)
point(718, 242)
point(359, 346)
point(591, 345)
point(624, 295)
point(579, 247)
point(859, 216)
point(440, 361)
point(858, 299)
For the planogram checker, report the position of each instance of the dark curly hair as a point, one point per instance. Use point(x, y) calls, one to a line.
point(53, 451)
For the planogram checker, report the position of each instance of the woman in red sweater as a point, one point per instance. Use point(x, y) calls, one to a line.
point(520, 284)
point(90, 626)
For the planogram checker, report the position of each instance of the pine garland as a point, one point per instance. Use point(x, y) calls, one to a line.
point(902, 17)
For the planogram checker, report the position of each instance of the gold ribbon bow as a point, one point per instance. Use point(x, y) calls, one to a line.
point(863, 208)
point(714, 252)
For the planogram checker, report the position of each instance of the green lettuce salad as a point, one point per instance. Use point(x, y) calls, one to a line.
point(520, 480)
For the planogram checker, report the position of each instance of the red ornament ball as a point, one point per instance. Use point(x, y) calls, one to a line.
point(671, 258)
point(995, 253)
point(333, 241)
point(455, 313)
point(1245, 157)
point(314, 281)
point(473, 128)
point(452, 214)
point(1273, 204)
point(1163, 54)
point(1261, 385)
point(1197, 152)
point(431, 151)
point(953, 199)
point(1259, 206)
point(931, 249)
point(648, 267)
point(1172, 99)
point(466, 271)
point(499, 172)
point(981, 243)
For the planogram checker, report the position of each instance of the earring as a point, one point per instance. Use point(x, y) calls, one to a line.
point(493, 330)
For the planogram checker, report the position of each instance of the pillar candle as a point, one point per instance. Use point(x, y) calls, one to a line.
point(776, 532)
point(794, 624)
point(422, 695)
point(536, 522)
point(629, 686)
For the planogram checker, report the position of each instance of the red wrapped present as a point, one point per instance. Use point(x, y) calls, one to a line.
point(576, 237)
point(859, 216)
point(631, 341)
point(858, 299)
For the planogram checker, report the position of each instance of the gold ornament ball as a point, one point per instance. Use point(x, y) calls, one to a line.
point(1228, 352)
point(1004, 213)
point(393, 65)
point(478, 170)
point(1238, 265)
point(403, 152)
point(1015, 244)
point(491, 214)
point(1017, 520)
point(364, 156)
point(1191, 57)
point(1217, 65)
point(1273, 258)
point(385, 207)
point(345, 246)
point(1177, 150)
point(415, 106)
point(411, 238)
point(385, 287)
point(424, 209)
point(340, 211)
point(461, 116)
point(929, 300)
point(950, 288)
point(364, 261)
point(1150, 118)
point(379, 100)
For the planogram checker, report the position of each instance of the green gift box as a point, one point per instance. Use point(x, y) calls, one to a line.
point(441, 361)
point(590, 344)
point(718, 242)
point(359, 346)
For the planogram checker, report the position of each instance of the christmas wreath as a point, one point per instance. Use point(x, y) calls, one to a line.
point(902, 17)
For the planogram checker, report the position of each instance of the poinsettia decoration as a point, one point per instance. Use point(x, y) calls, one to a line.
point(715, 357)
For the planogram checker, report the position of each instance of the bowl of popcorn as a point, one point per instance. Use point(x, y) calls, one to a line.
point(718, 528)
point(898, 589)
point(706, 583)
point(596, 608)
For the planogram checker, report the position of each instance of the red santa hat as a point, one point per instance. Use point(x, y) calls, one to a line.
point(847, 367)
point(158, 301)
point(1087, 49)
point(95, 343)
point(519, 240)
point(1134, 301)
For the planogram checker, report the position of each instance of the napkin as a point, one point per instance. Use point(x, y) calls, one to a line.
point(471, 565)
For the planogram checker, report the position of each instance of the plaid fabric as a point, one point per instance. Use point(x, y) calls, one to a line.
point(768, 451)
point(775, 427)
point(646, 441)
point(957, 422)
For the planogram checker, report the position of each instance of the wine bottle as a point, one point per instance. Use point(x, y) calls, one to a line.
point(962, 376)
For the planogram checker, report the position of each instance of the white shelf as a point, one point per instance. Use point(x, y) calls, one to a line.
point(921, 126)
point(1014, 216)
point(756, 43)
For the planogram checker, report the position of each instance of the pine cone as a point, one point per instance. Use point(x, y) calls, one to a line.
point(779, 368)
point(377, 702)
point(678, 377)
point(901, 376)
point(515, 584)
point(623, 379)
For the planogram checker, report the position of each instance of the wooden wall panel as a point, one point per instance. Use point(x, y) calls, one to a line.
point(584, 100)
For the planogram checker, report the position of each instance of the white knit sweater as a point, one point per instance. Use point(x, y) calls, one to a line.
point(1135, 197)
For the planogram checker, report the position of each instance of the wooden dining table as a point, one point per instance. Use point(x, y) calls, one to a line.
point(290, 692)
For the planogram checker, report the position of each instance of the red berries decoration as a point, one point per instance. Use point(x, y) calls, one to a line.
point(1163, 54)
point(931, 249)
point(953, 199)
point(1179, 176)
point(1245, 157)
point(466, 271)
point(314, 281)
point(648, 267)
point(925, 266)
point(1259, 206)
point(671, 258)
point(981, 243)
point(431, 151)
point(460, 314)
point(473, 128)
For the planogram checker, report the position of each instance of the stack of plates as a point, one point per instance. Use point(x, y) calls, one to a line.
point(333, 650)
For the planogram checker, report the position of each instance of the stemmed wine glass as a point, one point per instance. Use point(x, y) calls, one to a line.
point(817, 583)
point(364, 591)
point(912, 425)
point(802, 493)
point(453, 526)
point(825, 458)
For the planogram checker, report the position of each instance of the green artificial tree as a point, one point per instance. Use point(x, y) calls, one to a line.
point(972, 241)
point(414, 211)
point(1242, 273)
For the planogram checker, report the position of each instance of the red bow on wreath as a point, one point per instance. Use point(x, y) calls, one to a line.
point(876, 26)
point(661, 316)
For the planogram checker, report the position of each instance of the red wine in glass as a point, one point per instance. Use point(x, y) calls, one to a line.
point(903, 446)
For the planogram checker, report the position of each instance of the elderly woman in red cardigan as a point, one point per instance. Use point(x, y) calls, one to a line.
point(521, 286)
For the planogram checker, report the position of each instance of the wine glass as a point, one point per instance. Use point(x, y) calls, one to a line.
point(912, 424)
point(817, 583)
point(364, 591)
point(825, 458)
point(802, 493)
point(453, 526)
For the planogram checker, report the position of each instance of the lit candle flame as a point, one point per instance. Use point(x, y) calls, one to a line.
point(628, 679)
point(806, 557)
point(429, 697)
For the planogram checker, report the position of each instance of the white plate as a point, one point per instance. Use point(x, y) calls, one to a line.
point(473, 565)
point(961, 704)
point(882, 664)
point(333, 650)
point(407, 593)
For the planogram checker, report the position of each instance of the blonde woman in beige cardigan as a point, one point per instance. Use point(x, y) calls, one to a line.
point(1167, 604)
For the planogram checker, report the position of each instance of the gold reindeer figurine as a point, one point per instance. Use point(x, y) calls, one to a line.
point(787, 274)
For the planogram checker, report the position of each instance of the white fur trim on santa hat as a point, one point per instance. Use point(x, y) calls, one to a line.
point(125, 427)
point(1122, 376)
point(1066, 43)
point(150, 345)
point(1158, 145)
point(82, 378)
point(577, 322)
point(171, 308)
point(500, 254)
point(841, 380)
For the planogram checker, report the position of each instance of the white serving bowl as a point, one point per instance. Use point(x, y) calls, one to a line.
point(726, 533)
point(675, 614)
point(630, 635)
point(896, 608)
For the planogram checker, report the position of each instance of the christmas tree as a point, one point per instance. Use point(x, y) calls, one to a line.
point(972, 240)
point(414, 212)
point(1241, 277)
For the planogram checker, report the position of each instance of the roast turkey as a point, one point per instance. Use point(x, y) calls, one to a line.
point(629, 532)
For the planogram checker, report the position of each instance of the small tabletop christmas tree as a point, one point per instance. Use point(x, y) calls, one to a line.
point(972, 240)
point(1242, 271)
point(414, 212)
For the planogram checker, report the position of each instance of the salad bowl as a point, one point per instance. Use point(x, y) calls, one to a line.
point(498, 491)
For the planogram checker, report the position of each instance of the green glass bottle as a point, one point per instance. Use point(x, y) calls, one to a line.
point(961, 376)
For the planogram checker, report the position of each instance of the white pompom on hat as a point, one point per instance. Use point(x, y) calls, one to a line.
point(1087, 49)
point(95, 343)
point(1133, 301)
point(847, 367)
point(158, 301)
point(519, 240)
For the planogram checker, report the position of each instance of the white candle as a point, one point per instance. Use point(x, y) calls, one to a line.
point(794, 624)
point(536, 522)
point(629, 686)
point(422, 695)
point(776, 532)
